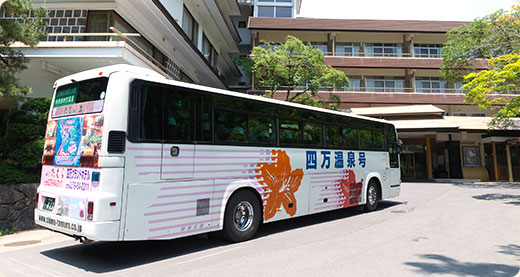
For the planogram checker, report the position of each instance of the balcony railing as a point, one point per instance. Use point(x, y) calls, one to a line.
point(384, 55)
point(392, 90)
point(126, 37)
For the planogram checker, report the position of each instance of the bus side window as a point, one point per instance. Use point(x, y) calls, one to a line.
point(290, 132)
point(230, 126)
point(204, 117)
point(151, 113)
point(179, 115)
point(351, 138)
point(261, 129)
point(333, 136)
point(312, 134)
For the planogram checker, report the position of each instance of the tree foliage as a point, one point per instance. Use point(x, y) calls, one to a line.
point(24, 29)
point(495, 37)
point(292, 65)
point(22, 146)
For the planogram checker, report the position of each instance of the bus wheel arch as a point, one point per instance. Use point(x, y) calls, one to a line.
point(243, 215)
point(372, 194)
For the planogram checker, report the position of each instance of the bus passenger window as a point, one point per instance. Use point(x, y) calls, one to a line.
point(351, 138)
point(179, 116)
point(204, 118)
point(333, 136)
point(290, 132)
point(151, 114)
point(378, 139)
point(261, 129)
point(312, 134)
point(230, 127)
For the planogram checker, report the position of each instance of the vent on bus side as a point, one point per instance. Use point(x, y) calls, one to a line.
point(116, 142)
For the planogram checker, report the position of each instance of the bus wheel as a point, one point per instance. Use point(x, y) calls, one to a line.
point(242, 217)
point(372, 196)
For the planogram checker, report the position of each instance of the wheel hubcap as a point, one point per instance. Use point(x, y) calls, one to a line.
point(372, 195)
point(243, 216)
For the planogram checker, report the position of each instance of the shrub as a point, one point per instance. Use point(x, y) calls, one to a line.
point(22, 146)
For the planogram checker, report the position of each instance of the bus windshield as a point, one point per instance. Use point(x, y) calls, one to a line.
point(80, 97)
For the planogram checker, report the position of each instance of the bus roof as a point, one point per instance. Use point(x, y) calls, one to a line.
point(156, 77)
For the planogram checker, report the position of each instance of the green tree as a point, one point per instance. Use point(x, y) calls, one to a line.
point(292, 65)
point(495, 37)
point(22, 147)
point(29, 31)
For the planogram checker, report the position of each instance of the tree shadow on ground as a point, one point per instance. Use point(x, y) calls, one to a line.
point(439, 264)
point(103, 257)
point(511, 199)
point(511, 249)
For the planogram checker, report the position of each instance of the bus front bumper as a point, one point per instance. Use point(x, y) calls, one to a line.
point(97, 231)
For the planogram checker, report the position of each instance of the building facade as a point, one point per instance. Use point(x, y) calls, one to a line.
point(393, 66)
point(192, 41)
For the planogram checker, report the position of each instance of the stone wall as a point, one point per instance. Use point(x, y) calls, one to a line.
point(17, 203)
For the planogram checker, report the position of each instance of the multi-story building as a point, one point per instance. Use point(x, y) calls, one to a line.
point(393, 66)
point(390, 63)
point(185, 40)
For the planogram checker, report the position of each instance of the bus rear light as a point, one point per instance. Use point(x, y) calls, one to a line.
point(37, 198)
point(90, 210)
point(88, 161)
point(48, 160)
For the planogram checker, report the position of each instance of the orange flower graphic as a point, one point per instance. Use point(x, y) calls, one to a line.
point(350, 189)
point(282, 182)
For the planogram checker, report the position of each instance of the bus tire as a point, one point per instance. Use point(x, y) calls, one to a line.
point(372, 196)
point(242, 216)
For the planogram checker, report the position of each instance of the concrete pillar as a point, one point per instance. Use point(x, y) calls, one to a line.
point(495, 163)
point(408, 45)
point(331, 44)
point(509, 165)
point(363, 83)
point(254, 39)
point(429, 164)
point(409, 80)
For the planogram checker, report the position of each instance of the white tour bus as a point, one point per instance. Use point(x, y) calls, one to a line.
point(130, 155)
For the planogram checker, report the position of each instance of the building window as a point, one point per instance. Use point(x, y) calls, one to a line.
point(274, 8)
point(322, 46)
point(430, 85)
point(190, 26)
point(385, 84)
point(428, 50)
point(355, 84)
point(384, 49)
point(348, 49)
point(209, 51)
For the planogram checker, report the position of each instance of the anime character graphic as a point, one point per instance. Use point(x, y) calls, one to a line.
point(68, 137)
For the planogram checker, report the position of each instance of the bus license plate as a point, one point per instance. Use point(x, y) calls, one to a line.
point(48, 204)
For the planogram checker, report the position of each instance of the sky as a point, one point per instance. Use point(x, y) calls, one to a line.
point(456, 10)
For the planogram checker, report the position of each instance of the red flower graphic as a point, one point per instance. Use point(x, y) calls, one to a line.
point(350, 189)
point(282, 182)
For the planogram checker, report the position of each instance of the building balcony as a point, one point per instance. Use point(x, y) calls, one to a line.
point(367, 95)
point(50, 60)
point(406, 61)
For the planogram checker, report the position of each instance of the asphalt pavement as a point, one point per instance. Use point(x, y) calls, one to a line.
point(431, 229)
